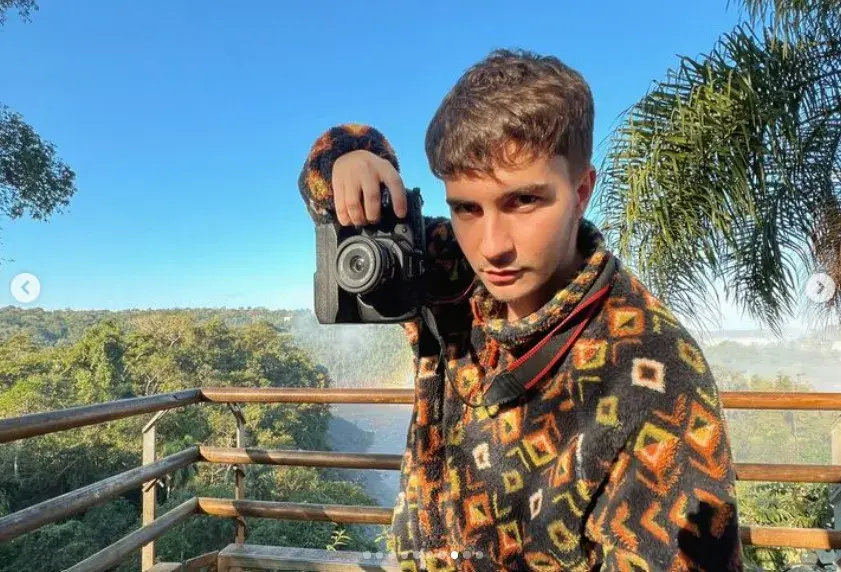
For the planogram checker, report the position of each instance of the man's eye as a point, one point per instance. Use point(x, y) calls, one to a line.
point(464, 209)
point(527, 199)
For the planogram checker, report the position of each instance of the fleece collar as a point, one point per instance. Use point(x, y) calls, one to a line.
point(491, 313)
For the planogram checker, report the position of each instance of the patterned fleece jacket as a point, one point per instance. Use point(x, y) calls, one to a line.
point(619, 459)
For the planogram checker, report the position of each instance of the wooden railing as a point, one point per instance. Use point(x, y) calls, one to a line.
point(153, 526)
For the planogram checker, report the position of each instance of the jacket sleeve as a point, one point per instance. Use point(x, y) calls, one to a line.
point(668, 502)
point(314, 182)
point(448, 274)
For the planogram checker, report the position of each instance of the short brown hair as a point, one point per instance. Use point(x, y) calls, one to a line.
point(514, 105)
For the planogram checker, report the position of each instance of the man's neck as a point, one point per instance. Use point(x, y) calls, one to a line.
point(521, 308)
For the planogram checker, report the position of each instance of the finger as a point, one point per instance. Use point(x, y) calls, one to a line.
point(392, 180)
point(372, 195)
point(353, 204)
point(339, 202)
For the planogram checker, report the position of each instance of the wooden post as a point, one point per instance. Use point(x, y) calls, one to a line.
point(239, 481)
point(147, 555)
point(835, 490)
point(239, 472)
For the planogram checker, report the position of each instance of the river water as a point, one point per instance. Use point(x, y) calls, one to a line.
point(364, 428)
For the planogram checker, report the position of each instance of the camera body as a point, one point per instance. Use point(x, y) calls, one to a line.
point(371, 274)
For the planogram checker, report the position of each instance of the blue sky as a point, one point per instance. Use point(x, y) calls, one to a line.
point(187, 123)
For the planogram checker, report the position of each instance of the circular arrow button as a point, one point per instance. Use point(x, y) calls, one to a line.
point(820, 288)
point(25, 287)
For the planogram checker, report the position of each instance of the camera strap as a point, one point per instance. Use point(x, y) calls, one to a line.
point(524, 373)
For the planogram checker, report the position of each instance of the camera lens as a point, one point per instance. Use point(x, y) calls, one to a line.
point(362, 264)
point(358, 264)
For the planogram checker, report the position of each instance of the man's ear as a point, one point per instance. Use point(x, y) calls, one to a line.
point(584, 191)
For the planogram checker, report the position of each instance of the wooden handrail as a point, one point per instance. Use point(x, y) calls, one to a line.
point(36, 424)
point(68, 504)
point(112, 555)
point(730, 399)
point(776, 537)
point(308, 395)
point(788, 473)
point(51, 421)
point(253, 456)
point(786, 400)
point(351, 514)
point(390, 462)
point(754, 535)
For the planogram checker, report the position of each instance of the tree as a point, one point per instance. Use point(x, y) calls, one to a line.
point(787, 505)
point(32, 178)
point(729, 171)
point(24, 8)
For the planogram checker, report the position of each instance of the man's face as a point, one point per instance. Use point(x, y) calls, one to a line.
point(525, 221)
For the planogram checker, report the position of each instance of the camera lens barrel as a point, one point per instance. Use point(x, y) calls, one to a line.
point(362, 264)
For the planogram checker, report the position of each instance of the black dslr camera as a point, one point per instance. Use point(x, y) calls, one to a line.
point(371, 274)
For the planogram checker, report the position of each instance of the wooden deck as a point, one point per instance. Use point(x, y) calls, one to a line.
point(238, 556)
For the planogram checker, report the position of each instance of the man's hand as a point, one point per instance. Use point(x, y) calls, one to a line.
point(356, 182)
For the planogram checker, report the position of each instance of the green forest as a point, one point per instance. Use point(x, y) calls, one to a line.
point(56, 359)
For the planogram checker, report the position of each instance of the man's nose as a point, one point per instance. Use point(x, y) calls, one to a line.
point(497, 246)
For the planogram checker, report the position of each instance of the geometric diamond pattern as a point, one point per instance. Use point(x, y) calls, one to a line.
point(510, 539)
point(540, 448)
point(656, 449)
point(606, 410)
point(512, 480)
point(535, 503)
point(626, 321)
point(589, 354)
point(649, 373)
point(691, 356)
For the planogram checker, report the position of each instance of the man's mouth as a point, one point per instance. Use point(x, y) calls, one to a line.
point(501, 278)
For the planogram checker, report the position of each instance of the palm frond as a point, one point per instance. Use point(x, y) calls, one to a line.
point(727, 172)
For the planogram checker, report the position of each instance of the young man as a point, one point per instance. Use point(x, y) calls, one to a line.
point(617, 458)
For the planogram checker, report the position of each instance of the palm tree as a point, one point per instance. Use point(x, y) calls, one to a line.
point(727, 174)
